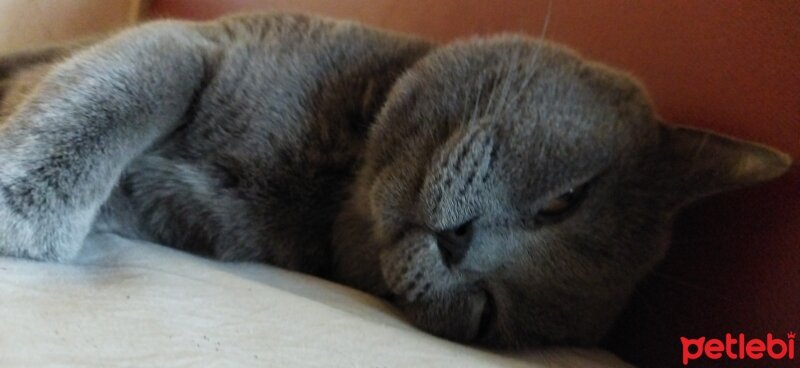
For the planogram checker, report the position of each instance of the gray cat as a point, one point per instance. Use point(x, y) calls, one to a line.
point(500, 190)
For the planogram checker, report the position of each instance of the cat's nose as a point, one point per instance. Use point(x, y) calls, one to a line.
point(455, 242)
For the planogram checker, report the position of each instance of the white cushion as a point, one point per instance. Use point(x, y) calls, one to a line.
point(131, 303)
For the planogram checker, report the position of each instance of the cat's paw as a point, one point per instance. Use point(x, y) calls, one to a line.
point(37, 235)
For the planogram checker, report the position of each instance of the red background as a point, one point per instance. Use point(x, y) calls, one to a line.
point(730, 66)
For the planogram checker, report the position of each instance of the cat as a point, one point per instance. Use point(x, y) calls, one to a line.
point(498, 190)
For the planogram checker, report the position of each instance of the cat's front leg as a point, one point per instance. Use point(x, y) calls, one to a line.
point(63, 150)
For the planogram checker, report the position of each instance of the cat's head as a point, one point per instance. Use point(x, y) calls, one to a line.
point(514, 194)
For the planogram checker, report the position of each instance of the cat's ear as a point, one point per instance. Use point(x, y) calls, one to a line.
point(701, 162)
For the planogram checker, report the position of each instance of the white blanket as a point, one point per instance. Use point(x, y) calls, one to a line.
point(127, 303)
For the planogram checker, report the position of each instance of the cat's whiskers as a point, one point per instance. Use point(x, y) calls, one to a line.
point(542, 36)
point(464, 96)
point(699, 148)
point(500, 84)
point(501, 103)
point(477, 103)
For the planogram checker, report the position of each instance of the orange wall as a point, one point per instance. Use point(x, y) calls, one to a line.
point(731, 66)
point(28, 23)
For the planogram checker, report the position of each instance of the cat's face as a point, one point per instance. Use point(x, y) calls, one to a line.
point(514, 194)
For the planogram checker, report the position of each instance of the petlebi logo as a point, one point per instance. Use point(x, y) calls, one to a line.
point(740, 347)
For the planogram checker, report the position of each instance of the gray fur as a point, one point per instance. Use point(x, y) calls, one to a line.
point(343, 151)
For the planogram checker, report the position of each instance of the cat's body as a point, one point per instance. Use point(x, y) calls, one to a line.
point(383, 161)
point(269, 145)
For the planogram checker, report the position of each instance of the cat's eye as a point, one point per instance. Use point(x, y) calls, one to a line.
point(562, 205)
